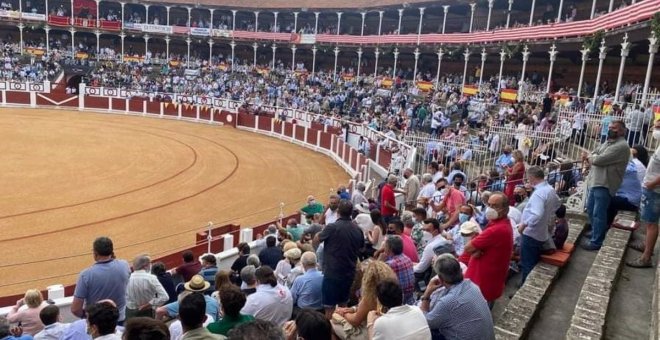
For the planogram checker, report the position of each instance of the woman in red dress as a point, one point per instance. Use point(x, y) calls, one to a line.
point(514, 175)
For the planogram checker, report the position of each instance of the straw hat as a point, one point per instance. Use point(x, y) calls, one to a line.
point(197, 284)
point(469, 228)
point(293, 254)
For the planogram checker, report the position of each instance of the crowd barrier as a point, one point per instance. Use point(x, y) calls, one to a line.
point(294, 126)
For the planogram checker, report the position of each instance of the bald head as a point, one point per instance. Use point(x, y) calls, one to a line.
point(499, 202)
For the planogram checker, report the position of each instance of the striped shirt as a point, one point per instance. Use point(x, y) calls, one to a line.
point(461, 312)
point(144, 288)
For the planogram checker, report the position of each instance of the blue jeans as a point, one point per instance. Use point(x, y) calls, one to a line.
point(530, 254)
point(597, 205)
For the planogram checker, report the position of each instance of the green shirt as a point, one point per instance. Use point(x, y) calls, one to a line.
point(296, 232)
point(316, 208)
point(421, 113)
point(224, 325)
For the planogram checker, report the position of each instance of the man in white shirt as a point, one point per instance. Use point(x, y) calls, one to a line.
point(422, 269)
point(400, 321)
point(144, 292)
point(272, 301)
point(53, 328)
point(330, 215)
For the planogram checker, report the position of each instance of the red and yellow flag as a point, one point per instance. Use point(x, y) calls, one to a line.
point(509, 95)
point(425, 86)
point(387, 82)
point(470, 90)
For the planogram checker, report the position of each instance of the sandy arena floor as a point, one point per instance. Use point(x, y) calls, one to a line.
point(150, 184)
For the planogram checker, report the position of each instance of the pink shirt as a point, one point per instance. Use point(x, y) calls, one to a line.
point(29, 318)
point(409, 248)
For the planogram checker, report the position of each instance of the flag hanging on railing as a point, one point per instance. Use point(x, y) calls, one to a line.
point(387, 82)
point(470, 90)
point(425, 86)
point(509, 95)
point(348, 76)
point(607, 106)
point(656, 112)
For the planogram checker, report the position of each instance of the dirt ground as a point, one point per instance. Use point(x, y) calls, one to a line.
point(149, 184)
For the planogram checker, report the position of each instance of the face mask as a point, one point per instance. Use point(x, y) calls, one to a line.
point(492, 214)
point(656, 134)
point(426, 235)
point(612, 134)
point(463, 217)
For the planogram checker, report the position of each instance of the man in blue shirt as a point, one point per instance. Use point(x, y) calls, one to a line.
point(454, 307)
point(504, 160)
point(537, 218)
point(306, 289)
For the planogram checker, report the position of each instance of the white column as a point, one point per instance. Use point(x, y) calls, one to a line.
point(146, 13)
point(274, 47)
point(123, 4)
point(531, 13)
point(364, 15)
point(561, 7)
point(232, 44)
point(396, 59)
point(377, 52)
point(72, 20)
point(20, 34)
point(98, 12)
point(293, 57)
point(437, 73)
point(625, 48)
point(316, 21)
point(314, 50)
point(359, 53)
point(445, 10)
point(525, 54)
point(611, 6)
point(334, 73)
point(167, 48)
point(419, 29)
point(466, 56)
point(499, 78)
point(47, 29)
point(167, 20)
point(275, 30)
point(189, 16)
point(380, 21)
point(593, 9)
point(146, 44)
point(338, 21)
point(188, 41)
point(490, 12)
point(256, 21)
point(585, 56)
point(508, 14)
point(653, 49)
point(483, 62)
point(233, 23)
point(295, 22)
point(472, 7)
point(73, 44)
point(416, 53)
point(98, 43)
point(400, 18)
point(553, 57)
point(254, 59)
point(122, 35)
point(212, 10)
point(601, 59)
point(210, 51)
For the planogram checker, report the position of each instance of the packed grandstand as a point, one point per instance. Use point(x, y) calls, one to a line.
point(479, 138)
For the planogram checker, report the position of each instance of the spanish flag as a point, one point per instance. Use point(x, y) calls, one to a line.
point(348, 76)
point(262, 70)
point(424, 86)
point(509, 95)
point(656, 112)
point(387, 82)
point(470, 90)
point(174, 63)
point(222, 67)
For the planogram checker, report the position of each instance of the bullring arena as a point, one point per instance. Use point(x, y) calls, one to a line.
point(149, 184)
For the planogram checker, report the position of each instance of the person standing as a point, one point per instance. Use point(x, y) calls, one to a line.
point(342, 242)
point(650, 207)
point(411, 188)
point(106, 279)
point(608, 165)
point(387, 200)
point(537, 220)
point(514, 175)
point(490, 251)
point(144, 291)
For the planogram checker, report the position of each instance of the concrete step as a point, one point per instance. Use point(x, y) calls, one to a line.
point(517, 318)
